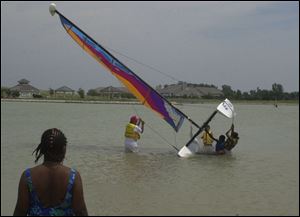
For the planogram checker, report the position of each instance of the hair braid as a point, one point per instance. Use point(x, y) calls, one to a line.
point(52, 145)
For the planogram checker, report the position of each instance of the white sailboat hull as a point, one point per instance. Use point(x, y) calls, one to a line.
point(189, 151)
point(196, 148)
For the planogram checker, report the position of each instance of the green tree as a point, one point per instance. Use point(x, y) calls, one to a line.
point(246, 96)
point(228, 92)
point(15, 93)
point(51, 92)
point(5, 92)
point(238, 94)
point(92, 92)
point(258, 94)
point(265, 95)
point(277, 91)
point(252, 94)
point(81, 93)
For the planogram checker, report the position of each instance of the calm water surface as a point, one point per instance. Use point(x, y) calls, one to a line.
point(260, 177)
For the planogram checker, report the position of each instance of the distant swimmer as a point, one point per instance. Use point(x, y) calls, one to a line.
point(232, 138)
point(51, 188)
point(132, 133)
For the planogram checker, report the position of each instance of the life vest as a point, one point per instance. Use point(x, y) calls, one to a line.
point(207, 140)
point(130, 133)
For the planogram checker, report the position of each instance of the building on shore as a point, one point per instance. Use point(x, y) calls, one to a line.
point(210, 91)
point(183, 89)
point(25, 90)
point(112, 92)
point(180, 90)
point(64, 91)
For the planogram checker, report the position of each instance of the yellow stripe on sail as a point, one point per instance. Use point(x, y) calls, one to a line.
point(133, 90)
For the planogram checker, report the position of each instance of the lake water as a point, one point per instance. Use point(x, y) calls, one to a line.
point(260, 177)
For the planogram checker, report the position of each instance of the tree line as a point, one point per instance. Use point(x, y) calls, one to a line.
point(276, 93)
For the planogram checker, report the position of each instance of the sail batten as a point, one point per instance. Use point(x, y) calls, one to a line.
point(139, 88)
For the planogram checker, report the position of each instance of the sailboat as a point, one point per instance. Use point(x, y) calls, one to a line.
point(147, 95)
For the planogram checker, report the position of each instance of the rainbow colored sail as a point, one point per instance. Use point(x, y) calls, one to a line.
point(139, 88)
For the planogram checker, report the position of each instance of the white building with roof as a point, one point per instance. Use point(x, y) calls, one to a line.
point(64, 90)
point(25, 89)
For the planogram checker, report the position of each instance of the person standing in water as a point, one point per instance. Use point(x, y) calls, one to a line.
point(51, 188)
point(132, 133)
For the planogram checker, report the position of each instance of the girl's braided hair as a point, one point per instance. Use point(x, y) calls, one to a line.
point(52, 146)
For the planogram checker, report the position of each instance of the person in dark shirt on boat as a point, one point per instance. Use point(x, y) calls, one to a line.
point(51, 188)
point(232, 138)
point(220, 149)
point(220, 145)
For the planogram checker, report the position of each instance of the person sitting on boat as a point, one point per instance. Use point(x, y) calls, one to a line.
point(232, 138)
point(207, 136)
point(207, 140)
point(220, 145)
point(132, 133)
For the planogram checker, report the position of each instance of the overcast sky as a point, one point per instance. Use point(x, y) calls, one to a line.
point(242, 44)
